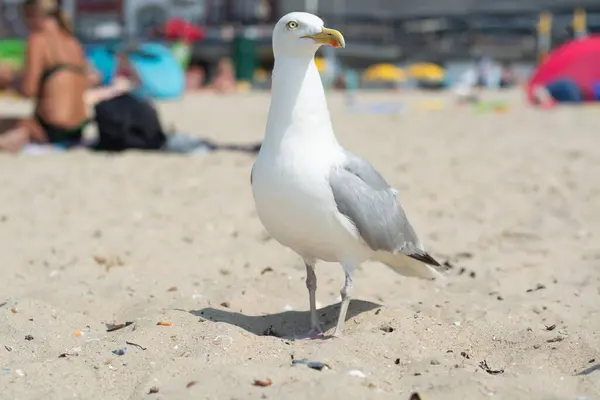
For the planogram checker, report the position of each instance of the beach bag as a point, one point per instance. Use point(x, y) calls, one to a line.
point(128, 122)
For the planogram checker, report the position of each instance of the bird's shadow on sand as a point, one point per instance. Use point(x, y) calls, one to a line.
point(287, 324)
point(588, 371)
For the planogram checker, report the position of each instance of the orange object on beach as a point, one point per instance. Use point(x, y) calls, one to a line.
point(263, 382)
point(164, 323)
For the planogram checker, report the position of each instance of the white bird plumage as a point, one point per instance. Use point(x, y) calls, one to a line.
point(311, 194)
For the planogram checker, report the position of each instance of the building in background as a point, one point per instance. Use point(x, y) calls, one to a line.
point(143, 16)
point(11, 24)
point(97, 19)
point(375, 30)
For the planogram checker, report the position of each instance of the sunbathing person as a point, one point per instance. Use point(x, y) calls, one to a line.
point(224, 81)
point(125, 80)
point(55, 76)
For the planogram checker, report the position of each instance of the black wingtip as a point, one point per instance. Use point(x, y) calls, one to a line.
point(425, 258)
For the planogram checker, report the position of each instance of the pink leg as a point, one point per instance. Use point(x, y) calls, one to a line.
point(311, 285)
point(346, 293)
point(14, 139)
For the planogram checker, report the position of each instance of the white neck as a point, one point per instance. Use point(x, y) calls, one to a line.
point(298, 104)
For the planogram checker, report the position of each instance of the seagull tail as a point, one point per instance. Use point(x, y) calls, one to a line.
point(408, 266)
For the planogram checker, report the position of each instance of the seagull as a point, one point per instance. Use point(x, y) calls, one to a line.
point(312, 195)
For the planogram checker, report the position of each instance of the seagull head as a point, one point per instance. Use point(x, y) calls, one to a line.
point(300, 33)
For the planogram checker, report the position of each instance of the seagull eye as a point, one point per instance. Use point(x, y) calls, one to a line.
point(292, 25)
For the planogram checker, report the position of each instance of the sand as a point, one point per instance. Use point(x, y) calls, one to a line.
point(509, 199)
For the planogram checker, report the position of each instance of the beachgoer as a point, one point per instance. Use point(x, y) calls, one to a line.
point(224, 81)
point(125, 80)
point(6, 76)
point(195, 78)
point(509, 78)
point(93, 75)
point(126, 72)
point(542, 97)
point(465, 89)
point(55, 75)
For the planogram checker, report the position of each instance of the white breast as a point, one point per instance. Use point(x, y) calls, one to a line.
point(295, 204)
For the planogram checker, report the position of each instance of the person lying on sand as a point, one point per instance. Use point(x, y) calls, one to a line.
point(55, 77)
point(224, 81)
point(195, 78)
point(542, 96)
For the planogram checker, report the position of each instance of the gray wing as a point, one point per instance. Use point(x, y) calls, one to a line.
point(363, 196)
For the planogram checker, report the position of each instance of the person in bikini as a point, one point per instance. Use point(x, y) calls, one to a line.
point(56, 77)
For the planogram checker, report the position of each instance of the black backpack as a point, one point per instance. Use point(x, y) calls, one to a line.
point(127, 122)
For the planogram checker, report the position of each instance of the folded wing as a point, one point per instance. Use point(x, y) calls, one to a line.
point(366, 199)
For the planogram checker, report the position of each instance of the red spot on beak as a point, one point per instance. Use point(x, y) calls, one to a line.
point(335, 44)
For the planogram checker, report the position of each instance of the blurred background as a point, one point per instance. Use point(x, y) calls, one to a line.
point(507, 38)
point(458, 103)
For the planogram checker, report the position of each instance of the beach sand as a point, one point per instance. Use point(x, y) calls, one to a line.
point(509, 199)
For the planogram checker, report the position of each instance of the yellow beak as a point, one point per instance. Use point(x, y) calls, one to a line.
point(328, 36)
